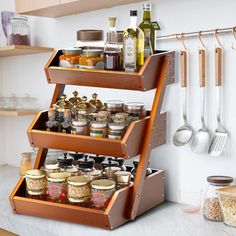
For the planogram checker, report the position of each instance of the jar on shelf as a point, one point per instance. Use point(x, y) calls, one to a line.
point(101, 192)
point(120, 162)
point(123, 178)
point(103, 116)
point(114, 106)
point(90, 39)
point(84, 109)
point(65, 162)
point(96, 103)
point(110, 172)
point(25, 164)
point(72, 171)
point(78, 189)
point(36, 183)
point(51, 168)
point(134, 170)
point(136, 110)
point(116, 130)
point(98, 161)
point(211, 205)
point(18, 31)
point(70, 57)
point(110, 162)
point(57, 187)
point(98, 129)
point(80, 127)
point(86, 165)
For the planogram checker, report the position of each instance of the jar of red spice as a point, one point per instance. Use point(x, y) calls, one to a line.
point(101, 192)
point(57, 187)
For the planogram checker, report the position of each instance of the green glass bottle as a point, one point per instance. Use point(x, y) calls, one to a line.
point(149, 30)
point(133, 45)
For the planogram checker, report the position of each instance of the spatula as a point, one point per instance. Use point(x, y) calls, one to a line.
point(219, 140)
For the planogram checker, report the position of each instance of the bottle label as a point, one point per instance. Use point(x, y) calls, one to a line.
point(115, 135)
point(97, 133)
point(147, 43)
point(130, 55)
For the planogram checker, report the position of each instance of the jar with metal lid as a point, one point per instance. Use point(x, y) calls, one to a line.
point(36, 183)
point(120, 162)
point(65, 162)
point(25, 162)
point(136, 110)
point(211, 205)
point(72, 171)
point(98, 129)
point(114, 106)
point(80, 127)
point(101, 192)
point(98, 161)
point(78, 189)
point(116, 131)
point(57, 187)
point(110, 172)
point(123, 178)
point(90, 39)
point(103, 116)
point(86, 165)
point(91, 59)
point(85, 108)
point(92, 175)
point(96, 103)
point(110, 162)
point(134, 170)
point(70, 57)
point(51, 168)
point(18, 31)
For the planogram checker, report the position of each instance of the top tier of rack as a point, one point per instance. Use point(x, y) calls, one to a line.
point(144, 80)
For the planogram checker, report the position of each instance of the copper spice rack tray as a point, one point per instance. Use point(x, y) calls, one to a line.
point(145, 79)
point(128, 147)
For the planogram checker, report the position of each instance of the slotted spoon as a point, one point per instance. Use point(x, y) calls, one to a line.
point(219, 140)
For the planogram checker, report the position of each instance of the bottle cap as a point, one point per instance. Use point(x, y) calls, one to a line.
point(133, 13)
point(147, 6)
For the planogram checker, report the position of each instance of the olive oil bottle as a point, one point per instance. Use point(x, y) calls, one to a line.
point(149, 30)
point(133, 48)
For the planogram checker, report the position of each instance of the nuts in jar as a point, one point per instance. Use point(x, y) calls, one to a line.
point(78, 189)
point(98, 129)
point(36, 183)
point(91, 59)
point(101, 192)
point(70, 57)
point(211, 209)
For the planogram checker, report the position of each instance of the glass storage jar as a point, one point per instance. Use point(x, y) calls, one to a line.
point(78, 189)
point(136, 110)
point(65, 162)
point(57, 187)
point(18, 31)
point(70, 57)
point(114, 106)
point(110, 162)
point(134, 170)
point(51, 168)
point(101, 192)
point(36, 183)
point(98, 129)
point(98, 161)
point(25, 162)
point(110, 172)
point(211, 205)
point(123, 178)
point(86, 165)
point(80, 127)
point(116, 130)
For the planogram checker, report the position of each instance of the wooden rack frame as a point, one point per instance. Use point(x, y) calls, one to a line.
point(129, 202)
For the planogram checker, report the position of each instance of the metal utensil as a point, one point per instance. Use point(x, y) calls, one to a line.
point(184, 133)
point(220, 137)
point(201, 140)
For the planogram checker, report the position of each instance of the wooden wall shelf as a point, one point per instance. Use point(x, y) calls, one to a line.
point(56, 8)
point(145, 79)
point(17, 113)
point(16, 50)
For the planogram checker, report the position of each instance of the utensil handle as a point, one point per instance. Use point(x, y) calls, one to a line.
point(202, 67)
point(218, 66)
point(183, 64)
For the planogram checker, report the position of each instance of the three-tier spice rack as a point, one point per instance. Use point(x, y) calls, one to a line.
point(141, 137)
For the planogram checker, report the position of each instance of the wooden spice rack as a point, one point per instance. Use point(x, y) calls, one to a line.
point(141, 137)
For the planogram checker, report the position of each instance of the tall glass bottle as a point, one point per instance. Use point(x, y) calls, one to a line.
point(112, 51)
point(148, 29)
point(133, 55)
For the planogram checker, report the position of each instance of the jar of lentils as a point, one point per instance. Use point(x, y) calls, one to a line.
point(211, 207)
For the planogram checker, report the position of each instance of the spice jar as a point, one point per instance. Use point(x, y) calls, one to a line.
point(91, 59)
point(36, 183)
point(116, 131)
point(123, 178)
point(72, 171)
point(51, 168)
point(211, 206)
point(25, 162)
point(57, 187)
point(65, 162)
point(96, 103)
point(134, 170)
point(85, 108)
point(80, 127)
point(136, 110)
point(120, 162)
point(114, 106)
point(18, 31)
point(78, 189)
point(70, 57)
point(86, 165)
point(110, 162)
point(103, 116)
point(110, 172)
point(101, 192)
point(98, 129)
point(98, 161)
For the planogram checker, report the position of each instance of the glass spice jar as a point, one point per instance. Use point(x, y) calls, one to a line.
point(110, 172)
point(123, 178)
point(65, 162)
point(110, 162)
point(70, 57)
point(80, 127)
point(51, 168)
point(25, 162)
point(72, 171)
point(78, 189)
point(101, 192)
point(85, 108)
point(98, 161)
point(136, 110)
point(57, 187)
point(36, 183)
point(116, 131)
point(98, 129)
point(86, 165)
point(114, 106)
point(211, 205)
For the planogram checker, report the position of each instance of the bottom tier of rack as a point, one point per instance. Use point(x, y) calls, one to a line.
point(115, 215)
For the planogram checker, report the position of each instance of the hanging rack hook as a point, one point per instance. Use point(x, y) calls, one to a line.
point(234, 34)
point(217, 38)
point(199, 36)
point(181, 37)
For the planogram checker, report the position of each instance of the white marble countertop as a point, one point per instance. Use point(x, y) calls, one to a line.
point(167, 219)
